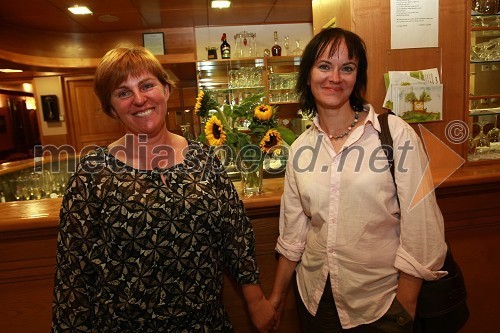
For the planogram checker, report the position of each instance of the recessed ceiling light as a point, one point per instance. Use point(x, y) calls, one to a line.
point(221, 3)
point(108, 18)
point(9, 70)
point(80, 10)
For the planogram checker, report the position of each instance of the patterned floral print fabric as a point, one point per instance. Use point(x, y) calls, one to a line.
point(136, 254)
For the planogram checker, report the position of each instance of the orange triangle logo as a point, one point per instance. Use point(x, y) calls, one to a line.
point(443, 162)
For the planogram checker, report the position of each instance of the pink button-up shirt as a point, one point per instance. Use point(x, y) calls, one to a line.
point(340, 218)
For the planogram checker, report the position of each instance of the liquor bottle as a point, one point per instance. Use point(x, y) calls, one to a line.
point(276, 49)
point(225, 48)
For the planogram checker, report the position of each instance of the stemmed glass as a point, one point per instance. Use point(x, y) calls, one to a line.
point(481, 140)
point(286, 43)
point(471, 148)
point(494, 137)
point(297, 51)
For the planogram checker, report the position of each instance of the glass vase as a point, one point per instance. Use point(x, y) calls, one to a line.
point(250, 162)
point(251, 178)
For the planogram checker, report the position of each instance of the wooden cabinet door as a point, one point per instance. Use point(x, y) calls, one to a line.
point(88, 126)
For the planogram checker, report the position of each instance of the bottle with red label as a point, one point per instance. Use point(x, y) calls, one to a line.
point(225, 48)
point(276, 49)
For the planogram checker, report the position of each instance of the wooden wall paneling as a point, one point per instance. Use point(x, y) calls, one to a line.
point(180, 102)
point(324, 11)
point(470, 205)
point(27, 266)
point(172, 121)
point(84, 50)
point(26, 306)
point(175, 118)
point(175, 99)
point(472, 221)
point(87, 124)
point(189, 95)
point(180, 41)
point(477, 251)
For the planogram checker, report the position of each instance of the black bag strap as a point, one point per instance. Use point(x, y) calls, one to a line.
point(386, 141)
point(385, 137)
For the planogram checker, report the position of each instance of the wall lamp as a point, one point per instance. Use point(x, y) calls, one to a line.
point(221, 4)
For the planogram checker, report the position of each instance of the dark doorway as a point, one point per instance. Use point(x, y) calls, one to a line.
point(21, 131)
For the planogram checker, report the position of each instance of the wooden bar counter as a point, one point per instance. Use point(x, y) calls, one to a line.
point(469, 199)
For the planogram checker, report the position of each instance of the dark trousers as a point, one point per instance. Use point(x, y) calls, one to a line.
point(396, 320)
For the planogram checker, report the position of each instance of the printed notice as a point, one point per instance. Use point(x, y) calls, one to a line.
point(414, 23)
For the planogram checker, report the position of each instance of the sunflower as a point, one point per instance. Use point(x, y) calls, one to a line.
point(205, 101)
point(263, 112)
point(199, 100)
point(215, 132)
point(270, 140)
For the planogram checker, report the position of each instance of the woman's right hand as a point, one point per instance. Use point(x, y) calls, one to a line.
point(278, 304)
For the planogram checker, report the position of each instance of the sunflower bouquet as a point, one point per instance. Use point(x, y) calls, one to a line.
point(250, 129)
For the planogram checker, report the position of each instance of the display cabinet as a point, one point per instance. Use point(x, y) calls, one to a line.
point(232, 80)
point(282, 76)
point(484, 87)
point(235, 79)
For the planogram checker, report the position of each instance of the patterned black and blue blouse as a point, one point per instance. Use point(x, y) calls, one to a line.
point(136, 253)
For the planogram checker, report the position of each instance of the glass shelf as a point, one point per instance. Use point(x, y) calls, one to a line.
point(484, 112)
point(476, 14)
point(484, 22)
point(274, 75)
point(484, 87)
point(248, 88)
point(479, 62)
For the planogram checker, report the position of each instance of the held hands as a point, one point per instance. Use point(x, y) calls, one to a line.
point(263, 314)
point(278, 304)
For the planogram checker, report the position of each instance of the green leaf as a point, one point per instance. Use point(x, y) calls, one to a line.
point(202, 138)
point(287, 135)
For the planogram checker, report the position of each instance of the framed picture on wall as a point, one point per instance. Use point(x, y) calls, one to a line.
point(154, 42)
point(50, 108)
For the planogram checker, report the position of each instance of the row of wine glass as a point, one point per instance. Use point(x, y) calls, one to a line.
point(484, 145)
point(34, 185)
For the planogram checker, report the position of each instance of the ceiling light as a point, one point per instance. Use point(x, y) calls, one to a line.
point(221, 3)
point(108, 18)
point(8, 70)
point(77, 10)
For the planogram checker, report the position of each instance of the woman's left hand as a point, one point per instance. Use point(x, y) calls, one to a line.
point(407, 293)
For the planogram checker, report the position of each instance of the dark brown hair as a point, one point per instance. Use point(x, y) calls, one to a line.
point(120, 63)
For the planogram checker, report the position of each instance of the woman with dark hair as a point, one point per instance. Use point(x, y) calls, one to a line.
point(357, 247)
point(149, 223)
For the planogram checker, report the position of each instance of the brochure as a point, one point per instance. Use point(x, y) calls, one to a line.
point(415, 96)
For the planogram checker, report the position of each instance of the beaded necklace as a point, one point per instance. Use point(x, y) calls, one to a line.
point(340, 136)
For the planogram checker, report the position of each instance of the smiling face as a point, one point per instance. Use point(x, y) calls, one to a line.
point(140, 102)
point(332, 78)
